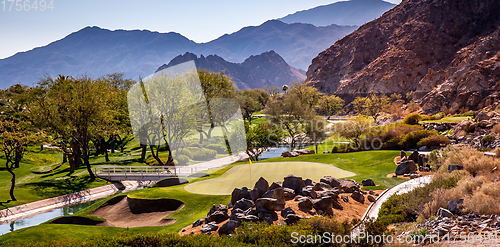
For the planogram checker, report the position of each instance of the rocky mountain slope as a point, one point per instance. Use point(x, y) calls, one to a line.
point(353, 12)
point(95, 51)
point(447, 51)
point(266, 69)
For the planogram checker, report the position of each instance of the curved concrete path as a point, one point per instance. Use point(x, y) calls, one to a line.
point(374, 208)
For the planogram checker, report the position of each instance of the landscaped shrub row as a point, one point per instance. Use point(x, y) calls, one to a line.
point(249, 234)
point(406, 136)
point(202, 153)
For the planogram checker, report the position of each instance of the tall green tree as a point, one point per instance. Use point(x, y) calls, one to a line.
point(259, 138)
point(74, 111)
point(214, 85)
point(330, 104)
point(373, 105)
point(291, 112)
point(14, 139)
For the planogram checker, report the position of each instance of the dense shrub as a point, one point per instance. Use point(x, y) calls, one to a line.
point(185, 152)
point(411, 139)
point(406, 207)
point(434, 140)
point(412, 119)
point(487, 138)
point(220, 149)
point(182, 160)
point(202, 153)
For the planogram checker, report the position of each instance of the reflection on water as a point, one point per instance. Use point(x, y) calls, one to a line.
point(40, 218)
point(273, 152)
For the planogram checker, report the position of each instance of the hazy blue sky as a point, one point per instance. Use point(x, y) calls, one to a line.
point(198, 20)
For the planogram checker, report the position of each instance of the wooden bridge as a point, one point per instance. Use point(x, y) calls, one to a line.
point(149, 173)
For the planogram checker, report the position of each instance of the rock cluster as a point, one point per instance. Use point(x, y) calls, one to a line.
point(407, 166)
point(447, 223)
point(264, 202)
point(295, 153)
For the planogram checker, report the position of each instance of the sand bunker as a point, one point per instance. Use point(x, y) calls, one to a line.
point(76, 220)
point(123, 211)
point(167, 182)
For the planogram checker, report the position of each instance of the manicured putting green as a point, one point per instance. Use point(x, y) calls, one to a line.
point(246, 176)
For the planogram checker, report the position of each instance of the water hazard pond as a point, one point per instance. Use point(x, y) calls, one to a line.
point(43, 217)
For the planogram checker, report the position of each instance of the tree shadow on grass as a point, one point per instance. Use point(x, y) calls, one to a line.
point(51, 171)
point(121, 162)
point(57, 187)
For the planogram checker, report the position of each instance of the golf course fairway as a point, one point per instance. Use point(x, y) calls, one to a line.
point(245, 175)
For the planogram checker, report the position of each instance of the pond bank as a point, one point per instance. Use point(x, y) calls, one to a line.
point(29, 209)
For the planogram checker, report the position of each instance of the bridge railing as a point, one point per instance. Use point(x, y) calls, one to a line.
point(108, 171)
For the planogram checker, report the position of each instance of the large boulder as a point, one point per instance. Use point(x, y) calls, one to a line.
point(275, 185)
point(358, 196)
point(294, 182)
point(455, 206)
point(348, 185)
point(290, 154)
point(309, 191)
point(333, 193)
point(218, 217)
point(480, 116)
point(289, 193)
point(198, 222)
point(269, 204)
point(228, 227)
point(243, 204)
point(221, 207)
point(247, 218)
point(210, 227)
point(371, 198)
point(235, 213)
point(337, 205)
point(268, 214)
point(323, 203)
point(240, 193)
point(414, 156)
point(278, 194)
point(261, 187)
point(308, 182)
point(322, 186)
point(368, 182)
point(406, 167)
point(333, 182)
point(285, 212)
point(305, 204)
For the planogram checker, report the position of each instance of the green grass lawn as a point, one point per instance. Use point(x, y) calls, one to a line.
point(245, 175)
point(41, 175)
point(368, 164)
point(447, 119)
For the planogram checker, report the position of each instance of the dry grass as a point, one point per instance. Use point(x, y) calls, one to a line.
point(477, 185)
point(496, 129)
point(481, 203)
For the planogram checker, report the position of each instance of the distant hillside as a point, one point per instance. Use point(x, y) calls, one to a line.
point(446, 51)
point(266, 69)
point(95, 51)
point(353, 12)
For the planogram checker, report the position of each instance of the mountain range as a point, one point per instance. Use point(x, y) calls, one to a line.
point(266, 69)
point(446, 51)
point(354, 12)
point(94, 51)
